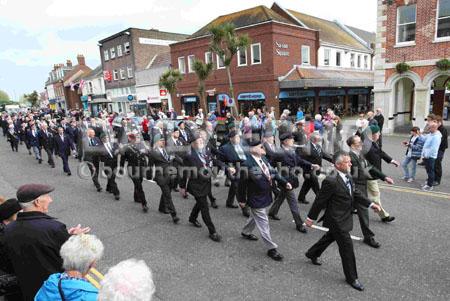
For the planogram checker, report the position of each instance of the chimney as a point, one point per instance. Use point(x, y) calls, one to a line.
point(80, 59)
point(69, 63)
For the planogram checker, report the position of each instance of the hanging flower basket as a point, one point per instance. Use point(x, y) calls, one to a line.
point(443, 64)
point(402, 67)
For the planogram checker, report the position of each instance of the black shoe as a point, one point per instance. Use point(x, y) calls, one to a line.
point(274, 217)
point(217, 184)
point(40, 161)
point(164, 211)
point(227, 184)
point(245, 213)
point(214, 205)
point(314, 260)
point(99, 189)
point(301, 228)
point(249, 236)
point(145, 208)
point(354, 211)
point(232, 206)
point(357, 285)
point(371, 242)
point(275, 255)
point(175, 219)
point(117, 197)
point(195, 223)
point(215, 237)
point(387, 219)
point(303, 202)
point(69, 174)
point(436, 183)
point(53, 166)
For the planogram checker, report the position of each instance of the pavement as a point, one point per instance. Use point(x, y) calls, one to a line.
point(412, 263)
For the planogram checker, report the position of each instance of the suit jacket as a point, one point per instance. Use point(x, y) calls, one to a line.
point(46, 140)
point(375, 154)
point(200, 185)
point(335, 198)
point(444, 140)
point(255, 188)
point(91, 153)
point(187, 137)
point(33, 140)
point(136, 156)
point(271, 153)
point(162, 165)
point(290, 159)
point(380, 120)
point(106, 158)
point(362, 170)
point(228, 154)
point(62, 148)
point(311, 154)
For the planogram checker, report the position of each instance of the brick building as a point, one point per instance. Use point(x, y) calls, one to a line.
point(126, 52)
point(71, 83)
point(289, 52)
point(416, 32)
point(54, 86)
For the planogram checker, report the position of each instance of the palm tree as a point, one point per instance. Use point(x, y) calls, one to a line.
point(203, 71)
point(226, 43)
point(169, 80)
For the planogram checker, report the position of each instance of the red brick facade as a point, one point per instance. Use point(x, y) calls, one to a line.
point(251, 78)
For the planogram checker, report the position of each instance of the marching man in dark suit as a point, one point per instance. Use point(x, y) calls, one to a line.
point(313, 153)
point(337, 197)
point(46, 141)
point(33, 141)
point(109, 156)
point(92, 148)
point(255, 192)
point(63, 146)
point(199, 184)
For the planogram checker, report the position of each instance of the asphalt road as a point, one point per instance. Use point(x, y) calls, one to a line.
point(412, 263)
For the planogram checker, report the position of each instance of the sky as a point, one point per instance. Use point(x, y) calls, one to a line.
point(36, 34)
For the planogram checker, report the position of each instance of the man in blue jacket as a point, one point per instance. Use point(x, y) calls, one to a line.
point(33, 140)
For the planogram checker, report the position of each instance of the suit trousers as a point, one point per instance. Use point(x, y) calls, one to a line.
point(289, 195)
point(232, 192)
point(50, 156)
point(373, 192)
point(139, 194)
point(346, 251)
point(363, 214)
point(201, 206)
point(311, 182)
point(165, 202)
point(94, 168)
point(258, 217)
point(111, 185)
point(65, 160)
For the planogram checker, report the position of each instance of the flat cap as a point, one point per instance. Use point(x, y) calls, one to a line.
point(9, 208)
point(286, 136)
point(195, 137)
point(158, 137)
point(29, 192)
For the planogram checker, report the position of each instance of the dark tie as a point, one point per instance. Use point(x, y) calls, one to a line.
point(165, 154)
point(319, 150)
point(348, 184)
point(92, 142)
point(265, 170)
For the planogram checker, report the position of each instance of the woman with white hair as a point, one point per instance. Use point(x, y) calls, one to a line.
point(79, 253)
point(129, 280)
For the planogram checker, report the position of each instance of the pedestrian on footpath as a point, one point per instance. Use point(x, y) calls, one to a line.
point(413, 153)
point(442, 147)
point(430, 150)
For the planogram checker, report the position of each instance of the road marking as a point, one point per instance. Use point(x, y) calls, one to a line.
point(436, 194)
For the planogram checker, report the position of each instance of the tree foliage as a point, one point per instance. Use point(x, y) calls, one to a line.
point(4, 97)
point(203, 71)
point(169, 80)
point(32, 98)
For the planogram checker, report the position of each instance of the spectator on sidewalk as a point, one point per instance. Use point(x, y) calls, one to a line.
point(430, 150)
point(442, 147)
point(79, 254)
point(413, 153)
point(129, 280)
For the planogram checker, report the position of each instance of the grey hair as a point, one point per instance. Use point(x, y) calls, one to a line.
point(129, 280)
point(338, 157)
point(314, 136)
point(27, 205)
point(80, 251)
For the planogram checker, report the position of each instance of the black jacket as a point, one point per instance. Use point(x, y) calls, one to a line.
point(380, 120)
point(311, 154)
point(374, 154)
point(444, 140)
point(46, 140)
point(334, 197)
point(62, 147)
point(362, 170)
point(291, 160)
point(33, 243)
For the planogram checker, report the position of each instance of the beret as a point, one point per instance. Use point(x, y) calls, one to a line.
point(232, 134)
point(176, 129)
point(181, 122)
point(194, 137)
point(254, 143)
point(268, 134)
point(374, 129)
point(158, 137)
point(9, 208)
point(29, 192)
point(286, 136)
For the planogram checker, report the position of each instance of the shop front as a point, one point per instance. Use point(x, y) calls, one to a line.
point(293, 99)
point(223, 100)
point(250, 101)
point(190, 104)
point(52, 104)
point(359, 100)
point(331, 99)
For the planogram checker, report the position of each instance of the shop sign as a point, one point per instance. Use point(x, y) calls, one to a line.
point(296, 94)
point(107, 75)
point(358, 91)
point(153, 99)
point(336, 92)
point(251, 96)
point(281, 49)
point(130, 97)
point(190, 99)
point(162, 92)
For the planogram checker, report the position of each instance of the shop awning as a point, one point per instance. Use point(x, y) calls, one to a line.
point(251, 96)
point(324, 78)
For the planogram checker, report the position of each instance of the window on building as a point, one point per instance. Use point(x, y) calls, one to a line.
point(112, 53)
point(326, 57)
point(366, 62)
point(359, 61)
point(191, 59)
point(130, 72)
point(220, 62)
point(119, 50)
point(352, 60)
point(90, 88)
point(406, 24)
point(208, 57)
point(242, 57)
point(256, 53)
point(443, 20)
point(338, 58)
point(126, 46)
point(122, 73)
point(182, 65)
point(305, 55)
point(115, 75)
point(106, 55)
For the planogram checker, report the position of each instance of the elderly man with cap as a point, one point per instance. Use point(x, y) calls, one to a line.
point(374, 154)
point(175, 148)
point(185, 134)
point(33, 241)
point(290, 161)
point(255, 192)
point(198, 183)
point(233, 153)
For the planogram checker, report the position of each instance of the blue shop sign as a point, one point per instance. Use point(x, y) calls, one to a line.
point(251, 96)
point(52, 101)
point(84, 98)
point(130, 97)
point(296, 94)
point(337, 92)
point(190, 99)
point(358, 91)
